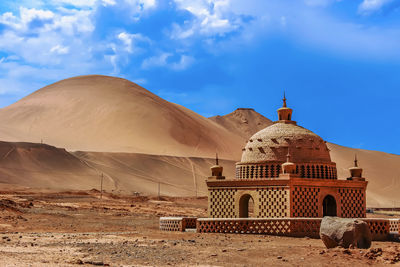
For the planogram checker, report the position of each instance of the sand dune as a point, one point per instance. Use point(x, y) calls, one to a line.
point(107, 114)
point(40, 166)
point(43, 166)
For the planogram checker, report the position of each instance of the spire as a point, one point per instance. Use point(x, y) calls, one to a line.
point(288, 155)
point(284, 99)
point(216, 170)
point(355, 172)
point(284, 113)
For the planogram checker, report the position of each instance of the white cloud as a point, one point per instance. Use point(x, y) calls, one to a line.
point(129, 40)
point(77, 3)
point(212, 17)
point(183, 63)
point(156, 61)
point(162, 60)
point(59, 49)
point(109, 2)
point(371, 6)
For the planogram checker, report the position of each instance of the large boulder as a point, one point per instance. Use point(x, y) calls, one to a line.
point(345, 233)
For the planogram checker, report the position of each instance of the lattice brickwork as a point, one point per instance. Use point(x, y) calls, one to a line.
point(171, 224)
point(394, 225)
point(282, 227)
point(273, 202)
point(379, 228)
point(352, 202)
point(222, 203)
point(305, 202)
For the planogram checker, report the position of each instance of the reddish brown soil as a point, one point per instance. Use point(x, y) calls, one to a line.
point(71, 228)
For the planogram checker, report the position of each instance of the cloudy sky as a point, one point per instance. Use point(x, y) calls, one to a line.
point(338, 61)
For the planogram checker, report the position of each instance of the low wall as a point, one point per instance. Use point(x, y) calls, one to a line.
point(295, 227)
point(179, 224)
point(298, 227)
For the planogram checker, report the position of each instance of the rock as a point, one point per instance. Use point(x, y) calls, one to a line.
point(279, 257)
point(345, 233)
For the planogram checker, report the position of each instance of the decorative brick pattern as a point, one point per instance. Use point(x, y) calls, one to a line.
point(273, 202)
point(282, 227)
point(251, 171)
point(379, 228)
point(171, 224)
point(352, 202)
point(394, 225)
point(222, 203)
point(305, 202)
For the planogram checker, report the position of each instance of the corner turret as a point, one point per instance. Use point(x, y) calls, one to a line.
point(216, 170)
point(355, 171)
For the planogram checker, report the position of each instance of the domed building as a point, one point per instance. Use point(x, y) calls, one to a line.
point(286, 171)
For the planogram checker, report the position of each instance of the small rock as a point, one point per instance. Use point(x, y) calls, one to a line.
point(213, 255)
point(279, 257)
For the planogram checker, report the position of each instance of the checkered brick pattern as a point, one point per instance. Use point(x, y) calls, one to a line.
point(305, 202)
point(222, 203)
point(171, 224)
point(273, 202)
point(352, 202)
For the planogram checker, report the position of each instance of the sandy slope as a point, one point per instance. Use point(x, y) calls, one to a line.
point(100, 113)
point(46, 167)
point(43, 166)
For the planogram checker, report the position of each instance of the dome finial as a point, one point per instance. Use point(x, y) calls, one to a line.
point(355, 160)
point(216, 158)
point(284, 99)
point(284, 113)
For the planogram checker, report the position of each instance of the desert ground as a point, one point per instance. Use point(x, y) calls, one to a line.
point(43, 228)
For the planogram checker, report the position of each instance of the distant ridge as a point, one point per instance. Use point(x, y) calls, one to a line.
point(243, 122)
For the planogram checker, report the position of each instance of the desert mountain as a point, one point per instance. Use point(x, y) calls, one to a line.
point(243, 122)
point(107, 114)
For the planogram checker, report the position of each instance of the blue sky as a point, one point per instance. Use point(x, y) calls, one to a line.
point(338, 61)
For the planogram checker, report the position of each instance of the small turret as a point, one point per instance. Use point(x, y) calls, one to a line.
point(355, 171)
point(216, 170)
point(285, 113)
point(288, 167)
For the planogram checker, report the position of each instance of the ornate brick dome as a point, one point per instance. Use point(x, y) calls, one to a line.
point(267, 150)
point(274, 142)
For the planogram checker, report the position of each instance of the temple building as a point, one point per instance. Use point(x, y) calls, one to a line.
point(286, 172)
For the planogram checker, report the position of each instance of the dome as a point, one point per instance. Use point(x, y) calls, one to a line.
point(274, 142)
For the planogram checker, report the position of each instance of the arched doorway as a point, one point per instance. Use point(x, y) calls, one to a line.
point(329, 206)
point(246, 206)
